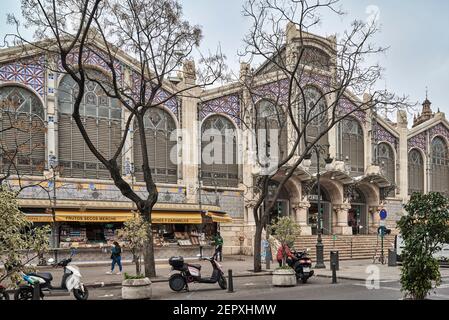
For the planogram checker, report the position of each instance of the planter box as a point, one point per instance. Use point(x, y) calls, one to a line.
point(284, 278)
point(136, 289)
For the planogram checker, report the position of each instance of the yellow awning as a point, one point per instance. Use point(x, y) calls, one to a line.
point(168, 217)
point(92, 216)
point(39, 217)
point(176, 217)
point(219, 217)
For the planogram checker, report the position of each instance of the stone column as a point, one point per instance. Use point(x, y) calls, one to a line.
point(342, 219)
point(374, 218)
point(127, 154)
point(190, 138)
point(402, 175)
point(300, 211)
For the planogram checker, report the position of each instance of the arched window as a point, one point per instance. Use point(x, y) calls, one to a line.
point(22, 132)
point(313, 117)
point(352, 145)
point(385, 156)
point(439, 173)
point(271, 125)
point(415, 172)
point(159, 126)
point(219, 152)
point(101, 117)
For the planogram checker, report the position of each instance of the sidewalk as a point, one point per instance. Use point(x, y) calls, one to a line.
point(363, 269)
point(95, 275)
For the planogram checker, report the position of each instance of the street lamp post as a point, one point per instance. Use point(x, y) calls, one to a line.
point(319, 245)
point(54, 166)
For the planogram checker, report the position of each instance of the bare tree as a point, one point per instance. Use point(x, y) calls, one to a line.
point(159, 41)
point(291, 67)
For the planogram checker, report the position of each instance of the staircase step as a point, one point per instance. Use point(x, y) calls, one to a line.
point(363, 246)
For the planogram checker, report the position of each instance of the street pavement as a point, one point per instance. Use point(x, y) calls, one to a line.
point(357, 280)
point(241, 266)
point(260, 288)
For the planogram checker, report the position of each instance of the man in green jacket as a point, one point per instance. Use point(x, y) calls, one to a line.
point(218, 242)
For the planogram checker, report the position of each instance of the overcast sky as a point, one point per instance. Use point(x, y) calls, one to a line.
point(416, 31)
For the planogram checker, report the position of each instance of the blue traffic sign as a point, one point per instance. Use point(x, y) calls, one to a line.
point(383, 214)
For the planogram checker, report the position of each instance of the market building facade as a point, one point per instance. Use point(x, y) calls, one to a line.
point(373, 163)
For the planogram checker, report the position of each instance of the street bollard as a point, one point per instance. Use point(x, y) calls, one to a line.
point(230, 282)
point(334, 258)
point(392, 258)
point(334, 272)
point(36, 290)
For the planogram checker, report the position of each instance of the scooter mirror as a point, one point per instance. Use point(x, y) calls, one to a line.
point(51, 260)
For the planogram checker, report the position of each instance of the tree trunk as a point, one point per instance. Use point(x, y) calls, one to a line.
point(148, 252)
point(257, 248)
point(137, 263)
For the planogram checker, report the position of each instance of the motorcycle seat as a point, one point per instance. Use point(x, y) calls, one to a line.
point(198, 266)
point(44, 275)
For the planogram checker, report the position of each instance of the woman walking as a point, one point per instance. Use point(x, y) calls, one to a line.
point(116, 256)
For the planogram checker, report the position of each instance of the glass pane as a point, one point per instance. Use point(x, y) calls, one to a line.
point(116, 113)
point(65, 107)
point(91, 110)
point(103, 112)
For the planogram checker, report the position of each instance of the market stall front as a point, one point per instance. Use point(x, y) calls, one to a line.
point(175, 231)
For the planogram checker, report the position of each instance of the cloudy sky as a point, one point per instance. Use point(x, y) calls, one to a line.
point(416, 31)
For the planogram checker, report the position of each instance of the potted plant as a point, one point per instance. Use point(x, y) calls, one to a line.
point(285, 230)
point(134, 233)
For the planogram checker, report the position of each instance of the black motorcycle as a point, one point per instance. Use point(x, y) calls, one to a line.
point(302, 264)
point(189, 273)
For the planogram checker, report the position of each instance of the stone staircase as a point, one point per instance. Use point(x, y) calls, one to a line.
point(348, 247)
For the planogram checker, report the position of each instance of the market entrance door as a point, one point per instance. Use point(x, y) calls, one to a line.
point(282, 205)
point(358, 214)
point(326, 217)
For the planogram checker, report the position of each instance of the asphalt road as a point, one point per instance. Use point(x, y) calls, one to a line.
point(260, 288)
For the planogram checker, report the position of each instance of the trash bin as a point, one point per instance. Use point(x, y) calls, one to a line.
point(392, 258)
point(334, 259)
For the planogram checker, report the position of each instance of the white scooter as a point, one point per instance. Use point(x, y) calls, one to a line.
point(71, 281)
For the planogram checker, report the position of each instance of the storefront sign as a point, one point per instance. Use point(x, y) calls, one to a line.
point(39, 218)
point(176, 218)
point(92, 216)
point(168, 217)
point(314, 197)
point(89, 218)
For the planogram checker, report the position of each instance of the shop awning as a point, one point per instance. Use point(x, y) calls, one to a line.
point(176, 217)
point(158, 217)
point(219, 217)
point(92, 216)
point(35, 217)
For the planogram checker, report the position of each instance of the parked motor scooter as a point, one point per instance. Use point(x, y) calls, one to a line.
point(71, 281)
point(302, 264)
point(192, 273)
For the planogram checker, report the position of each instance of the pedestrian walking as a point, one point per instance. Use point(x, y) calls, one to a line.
point(116, 256)
point(218, 242)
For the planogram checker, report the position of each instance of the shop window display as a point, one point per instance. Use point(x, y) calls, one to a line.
point(88, 235)
point(183, 235)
